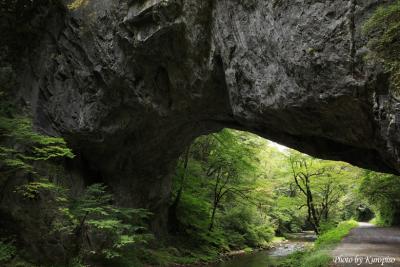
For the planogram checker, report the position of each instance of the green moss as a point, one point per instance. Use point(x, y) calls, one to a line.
point(77, 4)
point(311, 50)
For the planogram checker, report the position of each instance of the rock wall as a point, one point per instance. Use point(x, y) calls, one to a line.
point(129, 83)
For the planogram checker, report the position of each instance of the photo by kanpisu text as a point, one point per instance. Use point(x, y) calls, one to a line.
point(358, 260)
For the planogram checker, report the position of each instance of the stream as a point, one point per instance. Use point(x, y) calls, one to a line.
point(265, 258)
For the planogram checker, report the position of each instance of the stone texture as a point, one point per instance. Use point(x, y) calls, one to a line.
point(130, 83)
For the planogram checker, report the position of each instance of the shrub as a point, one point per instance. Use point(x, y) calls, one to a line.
point(246, 227)
point(327, 225)
point(104, 231)
point(383, 190)
point(293, 260)
point(317, 259)
point(319, 255)
point(335, 235)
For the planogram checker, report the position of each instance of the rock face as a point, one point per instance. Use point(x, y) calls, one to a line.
point(129, 83)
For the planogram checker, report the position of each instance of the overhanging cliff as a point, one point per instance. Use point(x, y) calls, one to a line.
point(129, 84)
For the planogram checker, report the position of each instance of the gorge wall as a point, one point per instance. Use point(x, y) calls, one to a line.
point(129, 83)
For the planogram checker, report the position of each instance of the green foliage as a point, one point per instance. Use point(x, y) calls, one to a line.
point(293, 260)
point(245, 227)
point(256, 195)
point(21, 146)
point(319, 255)
point(105, 231)
point(327, 225)
point(335, 235)
point(220, 197)
point(384, 29)
point(33, 190)
point(26, 159)
point(287, 214)
point(317, 259)
point(7, 251)
point(308, 258)
point(322, 186)
point(234, 182)
point(383, 191)
point(379, 221)
point(101, 233)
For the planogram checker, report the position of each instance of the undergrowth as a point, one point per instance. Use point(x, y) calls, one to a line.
point(319, 255)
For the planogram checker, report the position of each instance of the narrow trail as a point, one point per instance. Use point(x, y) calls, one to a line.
point(369, 245)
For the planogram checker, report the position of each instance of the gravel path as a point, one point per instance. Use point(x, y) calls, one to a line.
point(368, 245)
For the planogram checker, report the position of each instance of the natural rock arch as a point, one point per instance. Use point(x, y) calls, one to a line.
point(130, 83)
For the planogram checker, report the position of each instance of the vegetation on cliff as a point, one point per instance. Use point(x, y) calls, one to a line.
point(89, 227)
point(384, 29)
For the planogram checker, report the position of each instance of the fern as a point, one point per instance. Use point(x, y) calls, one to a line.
point(21, 146)
point(115, 228)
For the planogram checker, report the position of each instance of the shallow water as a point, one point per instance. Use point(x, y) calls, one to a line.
point(266, 258)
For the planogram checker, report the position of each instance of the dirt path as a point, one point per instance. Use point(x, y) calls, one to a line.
point(368, 245)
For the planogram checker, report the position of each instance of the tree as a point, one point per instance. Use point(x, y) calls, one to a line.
point(383, 192)
point(228, 169)
point(322, 183)
point(103, 230)
point(92, 228)
point(182, 169)
point(21, 148)
point(303, 171)
point(219, 174)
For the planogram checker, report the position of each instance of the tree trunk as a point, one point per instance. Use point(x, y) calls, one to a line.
point(313, 212)
point(173, 221)
point(213, 216)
